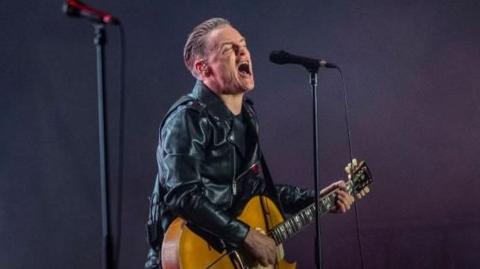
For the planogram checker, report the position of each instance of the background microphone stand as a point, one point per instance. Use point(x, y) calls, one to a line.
point(75, 8)
point(107, 243)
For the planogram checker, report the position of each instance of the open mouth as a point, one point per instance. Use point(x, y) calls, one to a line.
point(244, 69)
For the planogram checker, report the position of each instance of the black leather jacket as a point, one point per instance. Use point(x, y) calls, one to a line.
point(197, 173)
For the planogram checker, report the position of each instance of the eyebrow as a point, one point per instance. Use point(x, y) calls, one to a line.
point(231, 42)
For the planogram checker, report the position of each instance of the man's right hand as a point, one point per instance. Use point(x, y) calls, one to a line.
point(261, 247)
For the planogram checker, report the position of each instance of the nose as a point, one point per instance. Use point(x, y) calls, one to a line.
point(242, 50)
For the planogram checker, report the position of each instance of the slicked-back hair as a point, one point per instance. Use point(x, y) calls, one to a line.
point(195, 45)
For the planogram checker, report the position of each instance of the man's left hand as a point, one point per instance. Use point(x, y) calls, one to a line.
point(344, 199)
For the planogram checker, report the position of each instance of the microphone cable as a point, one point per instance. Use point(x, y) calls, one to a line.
point(349, 142)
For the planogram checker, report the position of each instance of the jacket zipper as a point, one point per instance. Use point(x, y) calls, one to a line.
point(234, 182)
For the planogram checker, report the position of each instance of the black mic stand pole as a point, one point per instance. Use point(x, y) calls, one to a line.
point(318, 246)
point(107, 244)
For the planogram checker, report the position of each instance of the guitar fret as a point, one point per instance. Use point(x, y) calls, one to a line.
point(276, 238)
point(290, 229)
point(301, 215)
point(298, 222)
point(287, 228)
point(282, 233)
point(309, 213)
point(328, 202)
point(323, 207)
point(294, 225)
point(304, 216)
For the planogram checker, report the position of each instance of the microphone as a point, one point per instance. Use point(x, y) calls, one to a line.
point(283, 57)
point(74, 8)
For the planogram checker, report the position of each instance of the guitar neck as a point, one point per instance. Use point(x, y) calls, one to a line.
point(290, 227)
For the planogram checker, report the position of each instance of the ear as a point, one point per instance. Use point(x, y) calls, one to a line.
point(202, 68)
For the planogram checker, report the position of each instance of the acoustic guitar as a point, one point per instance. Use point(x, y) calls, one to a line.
point(184, 249)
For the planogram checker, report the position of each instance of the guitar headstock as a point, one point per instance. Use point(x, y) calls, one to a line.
point(361, 176)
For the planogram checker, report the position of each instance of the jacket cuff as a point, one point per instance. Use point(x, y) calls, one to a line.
point(238, 237)
point(243, 231)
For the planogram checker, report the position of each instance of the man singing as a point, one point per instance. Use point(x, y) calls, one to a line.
point(210, 137)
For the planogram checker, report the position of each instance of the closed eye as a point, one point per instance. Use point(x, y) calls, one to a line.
point(227, 48)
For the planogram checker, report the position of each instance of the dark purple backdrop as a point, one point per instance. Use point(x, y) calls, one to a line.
point(411, 68)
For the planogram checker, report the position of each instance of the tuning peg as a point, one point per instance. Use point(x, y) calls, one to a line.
point(350, 167)
point(363, 192)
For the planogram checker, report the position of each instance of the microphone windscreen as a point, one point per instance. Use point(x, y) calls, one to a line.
point(279, 57)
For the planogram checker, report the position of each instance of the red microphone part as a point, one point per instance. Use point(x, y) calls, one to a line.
point(81, 7)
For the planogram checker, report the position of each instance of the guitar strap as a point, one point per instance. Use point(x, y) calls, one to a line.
point(270, 187)
point(266, 212)
point(269, 182)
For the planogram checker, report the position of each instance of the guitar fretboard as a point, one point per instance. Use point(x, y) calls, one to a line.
point(304, 217)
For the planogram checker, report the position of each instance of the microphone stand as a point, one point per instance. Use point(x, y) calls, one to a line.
point(107, 243)
point(312, 65)
point(318, 246)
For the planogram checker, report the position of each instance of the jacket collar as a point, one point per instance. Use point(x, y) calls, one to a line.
point(220, 112)
point(214, 104)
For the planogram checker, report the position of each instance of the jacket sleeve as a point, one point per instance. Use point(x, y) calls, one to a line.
point(293, 198)
point(180, 155)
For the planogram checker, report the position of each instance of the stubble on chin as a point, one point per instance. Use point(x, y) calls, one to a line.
point(238, 88)
point(235, 84)
point(234, 91)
